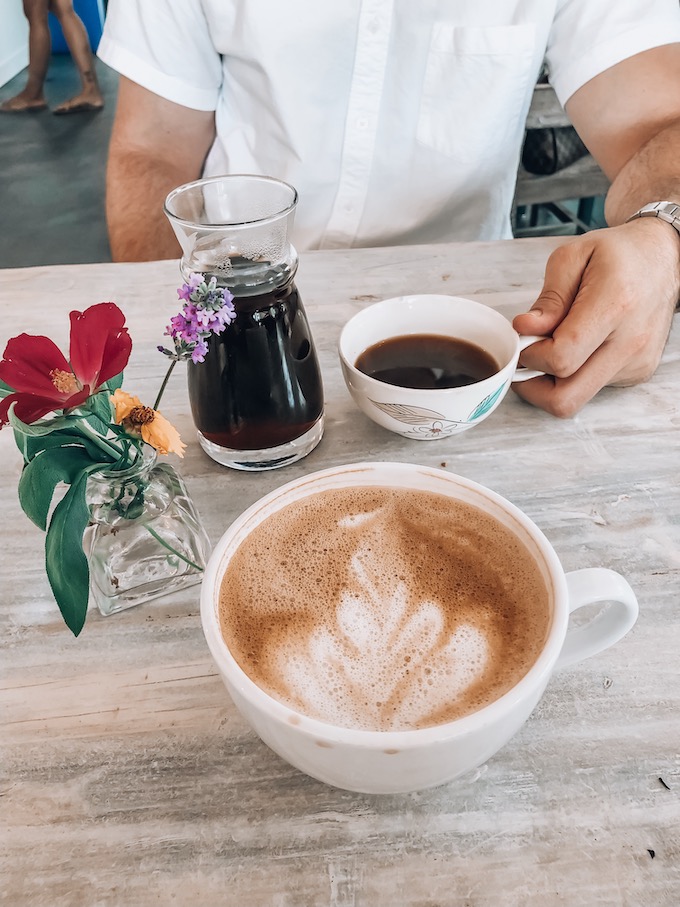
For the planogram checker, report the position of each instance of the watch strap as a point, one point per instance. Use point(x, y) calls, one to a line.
point(667, 211)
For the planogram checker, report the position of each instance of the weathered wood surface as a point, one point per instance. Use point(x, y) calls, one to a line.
point(545, 110)
point(582, 179)
point(128, 778)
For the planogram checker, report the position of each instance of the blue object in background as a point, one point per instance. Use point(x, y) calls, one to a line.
point(92, 14)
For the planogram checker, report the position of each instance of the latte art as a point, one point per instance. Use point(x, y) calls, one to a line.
point(399, 653)
point(383, 609)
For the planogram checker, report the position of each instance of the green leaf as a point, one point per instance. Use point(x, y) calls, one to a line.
point(486, 404)
point(5, 390)
point(99, 412)
point(30, 446)
point(120, 432)
point(39, 428)
point(114, 383)
point(65, 561)
point(44, 472)
point(135, 508)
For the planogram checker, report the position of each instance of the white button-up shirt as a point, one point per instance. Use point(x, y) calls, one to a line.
point(398, 121)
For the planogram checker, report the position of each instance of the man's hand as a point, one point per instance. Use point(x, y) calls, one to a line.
point(609, 295)
point(607, 304)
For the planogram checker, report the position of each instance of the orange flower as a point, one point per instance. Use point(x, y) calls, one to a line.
point(146, 423)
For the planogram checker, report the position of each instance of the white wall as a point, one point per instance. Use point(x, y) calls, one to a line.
point(13, 39)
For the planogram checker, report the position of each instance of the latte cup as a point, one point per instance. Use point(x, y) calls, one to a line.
point(432, 413)
point(396, 761)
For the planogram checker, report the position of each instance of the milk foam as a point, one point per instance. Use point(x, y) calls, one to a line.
point(398, 654)
point(383, 608)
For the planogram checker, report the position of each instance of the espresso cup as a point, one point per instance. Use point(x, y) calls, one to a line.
point(387, 627)
point(426, 414)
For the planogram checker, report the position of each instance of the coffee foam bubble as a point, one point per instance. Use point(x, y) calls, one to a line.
point(383, 608)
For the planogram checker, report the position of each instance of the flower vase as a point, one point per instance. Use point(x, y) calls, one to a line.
point(145, 536)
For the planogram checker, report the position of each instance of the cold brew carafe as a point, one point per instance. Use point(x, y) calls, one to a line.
point(257, 399)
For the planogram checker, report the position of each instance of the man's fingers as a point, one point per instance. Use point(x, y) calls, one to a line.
point(607, 305)
point(574, 340)
point(597, 310)
point(563, 273)
point(564, 397)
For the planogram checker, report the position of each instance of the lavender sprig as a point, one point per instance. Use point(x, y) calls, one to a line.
point(208, 309)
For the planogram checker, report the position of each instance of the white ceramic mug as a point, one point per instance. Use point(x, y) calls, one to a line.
point(436, 412)
point(399, 761)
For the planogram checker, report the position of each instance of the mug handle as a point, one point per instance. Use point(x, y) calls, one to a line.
point(587, 587)
point(521, 373)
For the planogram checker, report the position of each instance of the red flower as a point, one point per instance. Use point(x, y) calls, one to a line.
point(43, 380)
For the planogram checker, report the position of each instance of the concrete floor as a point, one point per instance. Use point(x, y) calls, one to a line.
point(52, 174)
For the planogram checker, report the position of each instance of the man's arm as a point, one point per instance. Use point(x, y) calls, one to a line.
point(609, 295)
point(155, 146)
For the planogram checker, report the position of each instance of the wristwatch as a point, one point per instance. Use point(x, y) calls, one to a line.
point(668, 211)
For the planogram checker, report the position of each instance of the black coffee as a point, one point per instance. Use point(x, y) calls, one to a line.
point(260, 384)
point(426, 361)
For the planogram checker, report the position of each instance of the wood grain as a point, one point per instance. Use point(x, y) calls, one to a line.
point(128, 778)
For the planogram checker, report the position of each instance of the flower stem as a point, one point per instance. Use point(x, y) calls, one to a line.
point(163, 385)
point(171, 549)
point(110, 448)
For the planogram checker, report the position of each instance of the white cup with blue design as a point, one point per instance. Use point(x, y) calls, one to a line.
point(429, 366)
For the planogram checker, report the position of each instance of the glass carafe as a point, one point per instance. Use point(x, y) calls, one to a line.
point(257, 399)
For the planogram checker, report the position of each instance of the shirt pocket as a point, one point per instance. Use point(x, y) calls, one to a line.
point(476, 89)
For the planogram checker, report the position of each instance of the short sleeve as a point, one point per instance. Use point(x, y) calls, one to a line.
point(589, 36)
point(164, 46)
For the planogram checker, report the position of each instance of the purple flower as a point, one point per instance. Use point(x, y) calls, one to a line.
point(199, 351)
point(194, 282)
point(207, 310)
point(182, 328)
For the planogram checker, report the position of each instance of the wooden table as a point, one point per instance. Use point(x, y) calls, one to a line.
point(128, 778)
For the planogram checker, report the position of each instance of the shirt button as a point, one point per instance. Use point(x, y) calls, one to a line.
point(374, 26)
point(362, 123)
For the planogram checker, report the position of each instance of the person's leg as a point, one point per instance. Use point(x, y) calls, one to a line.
point(39, 50)
point(75, 33)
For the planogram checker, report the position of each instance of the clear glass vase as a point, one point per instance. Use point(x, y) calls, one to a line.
point(145, 536)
